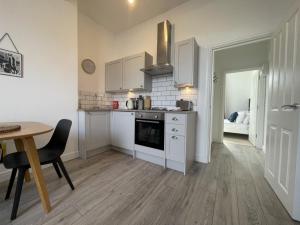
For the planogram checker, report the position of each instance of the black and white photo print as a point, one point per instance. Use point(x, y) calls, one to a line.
point(10, 63)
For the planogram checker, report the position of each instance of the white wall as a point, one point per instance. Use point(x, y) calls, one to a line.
point(237, 92)
point(244, 57)
point(211, 23)
point(45, 32)
point(96, 43)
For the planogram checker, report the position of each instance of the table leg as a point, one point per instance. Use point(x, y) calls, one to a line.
point(34, 161)
point(20, 148)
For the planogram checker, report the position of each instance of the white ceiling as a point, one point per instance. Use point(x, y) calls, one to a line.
point(118, 15)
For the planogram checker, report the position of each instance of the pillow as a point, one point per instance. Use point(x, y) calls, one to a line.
point(246, 120)
point(241, 117)
point(233, 117)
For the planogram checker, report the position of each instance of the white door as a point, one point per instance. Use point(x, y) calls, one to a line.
point(253, 106)
point(175, 147)
point(122, 131)
point(114, 75)
point(98, 134)
point(282, 166)
point(186, 62)
point(133, 76)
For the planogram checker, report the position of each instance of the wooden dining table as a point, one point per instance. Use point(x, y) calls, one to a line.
point(24, 141)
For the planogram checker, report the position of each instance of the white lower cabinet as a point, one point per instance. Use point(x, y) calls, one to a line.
point(122, 130)
point(94, 132)
point(175, 147)
point(100, 131)
point(180, 140)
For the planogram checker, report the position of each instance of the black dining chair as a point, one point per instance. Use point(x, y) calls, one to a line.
point(50, 154)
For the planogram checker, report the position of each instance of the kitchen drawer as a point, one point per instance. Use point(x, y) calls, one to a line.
point(175, 118)
point(175, 129)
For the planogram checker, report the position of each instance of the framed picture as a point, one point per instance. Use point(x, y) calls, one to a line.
point(11, 63)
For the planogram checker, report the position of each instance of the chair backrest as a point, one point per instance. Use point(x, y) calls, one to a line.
point(60, 136)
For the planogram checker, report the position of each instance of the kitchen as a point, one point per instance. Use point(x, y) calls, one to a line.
point(158, 125)
point(107, 113)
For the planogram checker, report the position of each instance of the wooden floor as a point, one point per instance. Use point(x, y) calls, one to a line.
point(240, 139)
point(114, 189)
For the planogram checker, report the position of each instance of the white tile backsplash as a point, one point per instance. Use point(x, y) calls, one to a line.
point(163, 94)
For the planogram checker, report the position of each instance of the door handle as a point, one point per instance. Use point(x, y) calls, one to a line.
point(290, 107)
point(146, 121)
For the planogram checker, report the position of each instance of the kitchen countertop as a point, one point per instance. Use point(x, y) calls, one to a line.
point(95, 110)
point(164, 111)
point(133, 110)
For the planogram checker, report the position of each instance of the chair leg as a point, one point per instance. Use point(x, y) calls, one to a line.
point(11, 183)
point(63, 169)
point(18, 193)
point(57, 170)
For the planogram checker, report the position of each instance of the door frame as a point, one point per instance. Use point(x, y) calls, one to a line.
point(223, 102)
point(210, 77)
point(263, 106)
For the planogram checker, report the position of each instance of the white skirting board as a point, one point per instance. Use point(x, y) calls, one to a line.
point(125, 151)
point(176, 166)
point(150, 158)
point(92, 152)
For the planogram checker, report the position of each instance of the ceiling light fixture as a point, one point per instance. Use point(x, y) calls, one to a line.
point(131, 2)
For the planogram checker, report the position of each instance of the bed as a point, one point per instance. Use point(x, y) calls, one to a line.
point(239, 126)
point(236, 128)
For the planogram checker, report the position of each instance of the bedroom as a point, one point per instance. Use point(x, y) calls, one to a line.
point(241, 112)
point(240, 93)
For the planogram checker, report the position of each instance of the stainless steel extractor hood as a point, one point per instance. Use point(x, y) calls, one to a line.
point(163, 65)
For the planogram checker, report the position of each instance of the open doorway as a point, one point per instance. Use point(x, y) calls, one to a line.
point(240, 94)
point(241, 107)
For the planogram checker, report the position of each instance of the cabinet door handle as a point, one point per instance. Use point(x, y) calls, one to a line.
point(175, 118)
point(174, 137)
point(174, 129)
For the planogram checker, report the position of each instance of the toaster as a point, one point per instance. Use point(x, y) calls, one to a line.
point(184, 105)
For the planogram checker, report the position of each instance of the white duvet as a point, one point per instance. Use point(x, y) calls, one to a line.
point(237, 128)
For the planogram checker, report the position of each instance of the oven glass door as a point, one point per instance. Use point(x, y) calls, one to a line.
point(149, 133)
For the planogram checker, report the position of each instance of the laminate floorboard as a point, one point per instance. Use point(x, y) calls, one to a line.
point(113, 189)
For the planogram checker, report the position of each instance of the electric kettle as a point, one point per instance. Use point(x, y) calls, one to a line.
point(130, 104)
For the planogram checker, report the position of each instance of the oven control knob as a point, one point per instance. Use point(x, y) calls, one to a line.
point(141, 115)
point(156, 117)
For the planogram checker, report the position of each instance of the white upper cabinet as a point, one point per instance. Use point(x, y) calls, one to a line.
point(133, 77)
point(186, 63)
point(114, 75)
point(125, 74)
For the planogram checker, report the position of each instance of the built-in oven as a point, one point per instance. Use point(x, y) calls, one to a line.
point(149, 129)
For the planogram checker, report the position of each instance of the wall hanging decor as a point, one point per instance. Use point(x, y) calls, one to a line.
point(88, 66)
point(11, 62)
